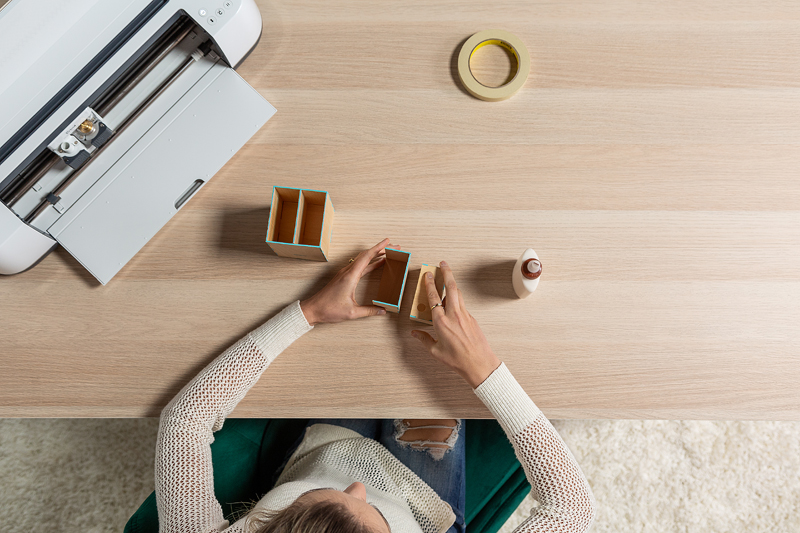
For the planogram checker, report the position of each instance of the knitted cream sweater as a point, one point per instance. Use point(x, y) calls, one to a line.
point(331, 456)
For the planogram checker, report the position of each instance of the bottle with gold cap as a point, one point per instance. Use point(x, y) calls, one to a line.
point(525, 277)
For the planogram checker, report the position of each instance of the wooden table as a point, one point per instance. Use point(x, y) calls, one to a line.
point(652, 160)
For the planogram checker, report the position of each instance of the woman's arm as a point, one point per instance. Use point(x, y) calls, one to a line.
point(557, 482)
point(184, 474)
point(567, 504)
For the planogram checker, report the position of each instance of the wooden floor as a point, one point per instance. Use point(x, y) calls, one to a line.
point(652, 160)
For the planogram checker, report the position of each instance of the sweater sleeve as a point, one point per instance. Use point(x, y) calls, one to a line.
point(566, 501)
point(183, 472)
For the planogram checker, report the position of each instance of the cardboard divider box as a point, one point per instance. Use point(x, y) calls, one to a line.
point(421, 308)
point(393, 280)
point(300, 223)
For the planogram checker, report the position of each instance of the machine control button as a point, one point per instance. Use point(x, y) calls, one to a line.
point(202, 12)
point(212, 20)
point(220, 12)
point(228, 4)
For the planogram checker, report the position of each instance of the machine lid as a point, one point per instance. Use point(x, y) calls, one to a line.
point(141, 192)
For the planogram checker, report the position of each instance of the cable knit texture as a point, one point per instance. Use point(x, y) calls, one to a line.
point(566, 503)
point(330, 456)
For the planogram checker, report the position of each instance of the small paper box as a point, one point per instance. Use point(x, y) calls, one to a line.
point(300, 223)
point(393, 280)
point(421, 308)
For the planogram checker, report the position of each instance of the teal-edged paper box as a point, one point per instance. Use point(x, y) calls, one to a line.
point(393, 280)
point(300, 223)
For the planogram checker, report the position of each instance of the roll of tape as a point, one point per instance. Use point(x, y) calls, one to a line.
point(508, 41)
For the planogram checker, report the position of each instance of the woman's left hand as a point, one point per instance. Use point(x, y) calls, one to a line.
point(336, 301)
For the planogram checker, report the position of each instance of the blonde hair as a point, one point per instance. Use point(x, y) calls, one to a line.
point(299, 517)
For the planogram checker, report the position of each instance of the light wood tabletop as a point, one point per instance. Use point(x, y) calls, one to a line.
point(652, 160)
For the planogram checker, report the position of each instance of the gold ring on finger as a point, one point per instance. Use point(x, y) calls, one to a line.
point(436, 305)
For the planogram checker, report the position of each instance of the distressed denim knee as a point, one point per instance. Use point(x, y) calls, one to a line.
point(428, 435)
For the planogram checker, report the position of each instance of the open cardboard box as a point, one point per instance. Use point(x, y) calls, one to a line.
point(300, 223)
point(393, 280)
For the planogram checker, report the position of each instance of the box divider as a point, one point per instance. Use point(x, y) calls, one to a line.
point(299, 222)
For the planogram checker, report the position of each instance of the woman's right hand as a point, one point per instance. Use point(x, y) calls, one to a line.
point(461, 344)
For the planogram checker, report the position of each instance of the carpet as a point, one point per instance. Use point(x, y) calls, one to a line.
point(686, 476)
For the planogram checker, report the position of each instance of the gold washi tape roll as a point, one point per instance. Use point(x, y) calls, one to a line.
point(508, 41)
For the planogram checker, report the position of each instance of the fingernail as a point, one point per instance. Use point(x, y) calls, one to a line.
point(444, 263)
point(429, 275)
point(414, 334)
point(382, 312)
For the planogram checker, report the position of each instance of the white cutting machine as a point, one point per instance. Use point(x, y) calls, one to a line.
point(112, 115)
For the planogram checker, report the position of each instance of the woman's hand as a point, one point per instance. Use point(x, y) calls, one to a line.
point(462, 345)
point(336, 301)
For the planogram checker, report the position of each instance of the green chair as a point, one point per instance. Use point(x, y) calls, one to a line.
point(496, 483)
point(247, 453)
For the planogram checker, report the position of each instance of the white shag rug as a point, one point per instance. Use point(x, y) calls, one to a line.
point(89, 476)
point(74, 475)
point(687, 476)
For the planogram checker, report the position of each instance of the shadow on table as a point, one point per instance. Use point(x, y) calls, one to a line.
point(245, 230)
point(454, 67)
point(491, 281)
point(77, 268)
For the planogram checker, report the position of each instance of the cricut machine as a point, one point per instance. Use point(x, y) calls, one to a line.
point(112, 115)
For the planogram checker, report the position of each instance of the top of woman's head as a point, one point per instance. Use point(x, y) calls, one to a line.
point(322, 516)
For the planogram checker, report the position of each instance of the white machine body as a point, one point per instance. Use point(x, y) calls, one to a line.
point(112, 116)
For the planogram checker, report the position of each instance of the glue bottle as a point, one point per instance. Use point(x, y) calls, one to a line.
point(526, 273)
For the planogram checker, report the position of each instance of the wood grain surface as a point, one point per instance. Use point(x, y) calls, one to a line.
point(651, 160)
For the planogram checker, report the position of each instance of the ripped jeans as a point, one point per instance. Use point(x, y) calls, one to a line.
point(436, 454)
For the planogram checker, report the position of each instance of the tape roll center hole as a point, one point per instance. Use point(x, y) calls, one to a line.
point(493, 65)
